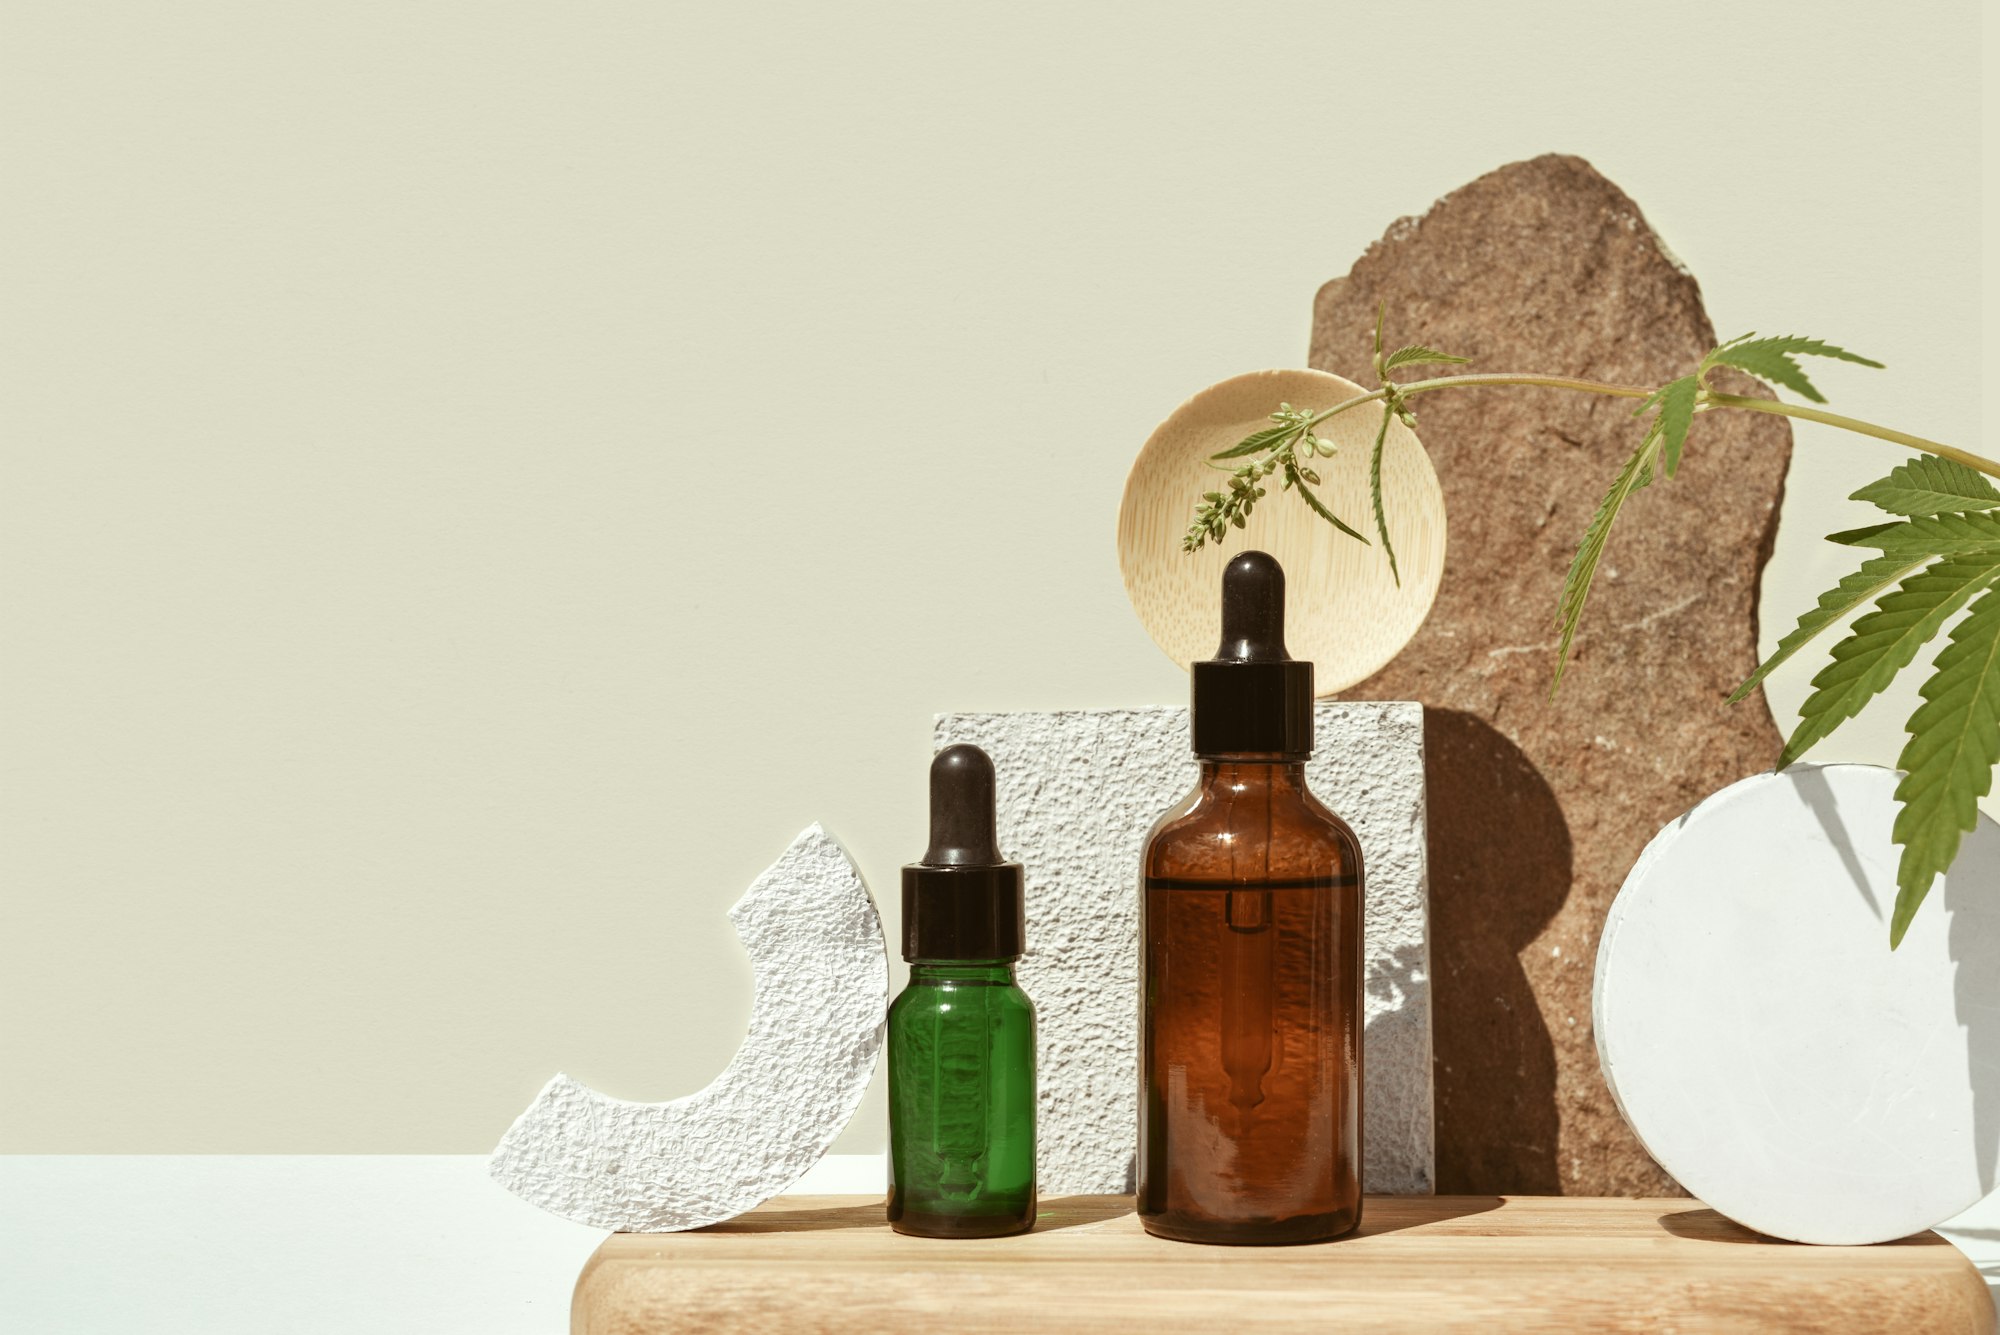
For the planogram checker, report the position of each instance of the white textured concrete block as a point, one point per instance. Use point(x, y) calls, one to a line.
point(1079, 790)
point(822, 967)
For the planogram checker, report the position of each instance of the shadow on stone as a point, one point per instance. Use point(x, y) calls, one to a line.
point(1499, 870)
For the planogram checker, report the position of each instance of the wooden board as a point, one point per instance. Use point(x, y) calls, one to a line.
point(830, 1263)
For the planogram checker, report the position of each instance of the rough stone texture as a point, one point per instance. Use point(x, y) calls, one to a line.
point(822, 968)
point(1078, 792)
point(1538, 808)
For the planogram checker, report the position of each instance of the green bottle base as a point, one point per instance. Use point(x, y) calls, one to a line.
point(924, 1224)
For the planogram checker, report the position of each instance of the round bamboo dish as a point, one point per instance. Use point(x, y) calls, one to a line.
point(1343, 609)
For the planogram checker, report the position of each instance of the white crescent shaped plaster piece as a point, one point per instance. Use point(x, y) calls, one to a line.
point(822, 992)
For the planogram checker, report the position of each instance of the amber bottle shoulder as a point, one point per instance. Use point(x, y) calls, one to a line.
point(1251, 823)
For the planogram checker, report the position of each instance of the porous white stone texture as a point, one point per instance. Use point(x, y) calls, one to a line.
point(1078, 792)
point(822, 992)
point(1764, 1042)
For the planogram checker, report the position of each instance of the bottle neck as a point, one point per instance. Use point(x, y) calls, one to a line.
point(1276, 772)
point(961, 971)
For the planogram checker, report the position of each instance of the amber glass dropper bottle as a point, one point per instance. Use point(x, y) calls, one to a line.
point(1250, 963)
point(962, 1034)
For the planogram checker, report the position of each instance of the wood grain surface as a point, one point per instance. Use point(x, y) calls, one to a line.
point(1489, 1263)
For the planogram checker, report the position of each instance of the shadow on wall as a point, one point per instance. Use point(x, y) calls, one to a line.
point(1968, 893)
point(1972, 942)
point(1500, 867)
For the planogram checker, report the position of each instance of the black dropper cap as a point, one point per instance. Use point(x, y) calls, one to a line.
point(963, 901)
point(1253, 698)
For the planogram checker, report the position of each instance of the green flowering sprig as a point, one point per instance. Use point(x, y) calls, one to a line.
point(1282, 447)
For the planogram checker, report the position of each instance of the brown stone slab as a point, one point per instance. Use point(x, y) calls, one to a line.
point(1418, 1263)
point(1538, 809)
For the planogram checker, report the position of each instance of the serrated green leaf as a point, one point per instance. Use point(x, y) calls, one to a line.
point(1677, 400)
point(1776, 360)
point(1859, 537)
point(1940, 535)
point(1257, 442)
point(1375, 494)
point(1928, 485)
point(1885, 641)
point(1875, 575)
point(1799, 344)
point(1645, 478)
point(1417, 355)
point(1775, 367)
point(1948, 763)
point(1583, 567)
point(1807, 347)
point(1293, 479)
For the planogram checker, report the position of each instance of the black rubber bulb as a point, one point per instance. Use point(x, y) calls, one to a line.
point(1253, 610)
point(963, 830)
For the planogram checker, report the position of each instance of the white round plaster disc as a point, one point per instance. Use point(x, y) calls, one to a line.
point(1764, 1042)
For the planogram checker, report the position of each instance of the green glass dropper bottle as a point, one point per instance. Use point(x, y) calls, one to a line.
point(962, 1034)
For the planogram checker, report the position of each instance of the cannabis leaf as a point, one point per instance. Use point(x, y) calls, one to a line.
point(1948, 763)
point(1675, 404)
point(1776, 360)
point(1258, 442)
point(1417, 355)
point(1936, 535)
point(1583, 568)
point(1676, 400)
point(1877, 574)
point(1375, 494)
point(1395, 404)
point(1886, 641)
point(1943, 555)
point(1294, 479)
point(1928, 485)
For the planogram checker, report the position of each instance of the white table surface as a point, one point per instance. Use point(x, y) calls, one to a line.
point(347, 1245)
point(292, 1245)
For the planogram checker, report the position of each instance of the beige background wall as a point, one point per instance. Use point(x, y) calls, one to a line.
point(480, 478)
